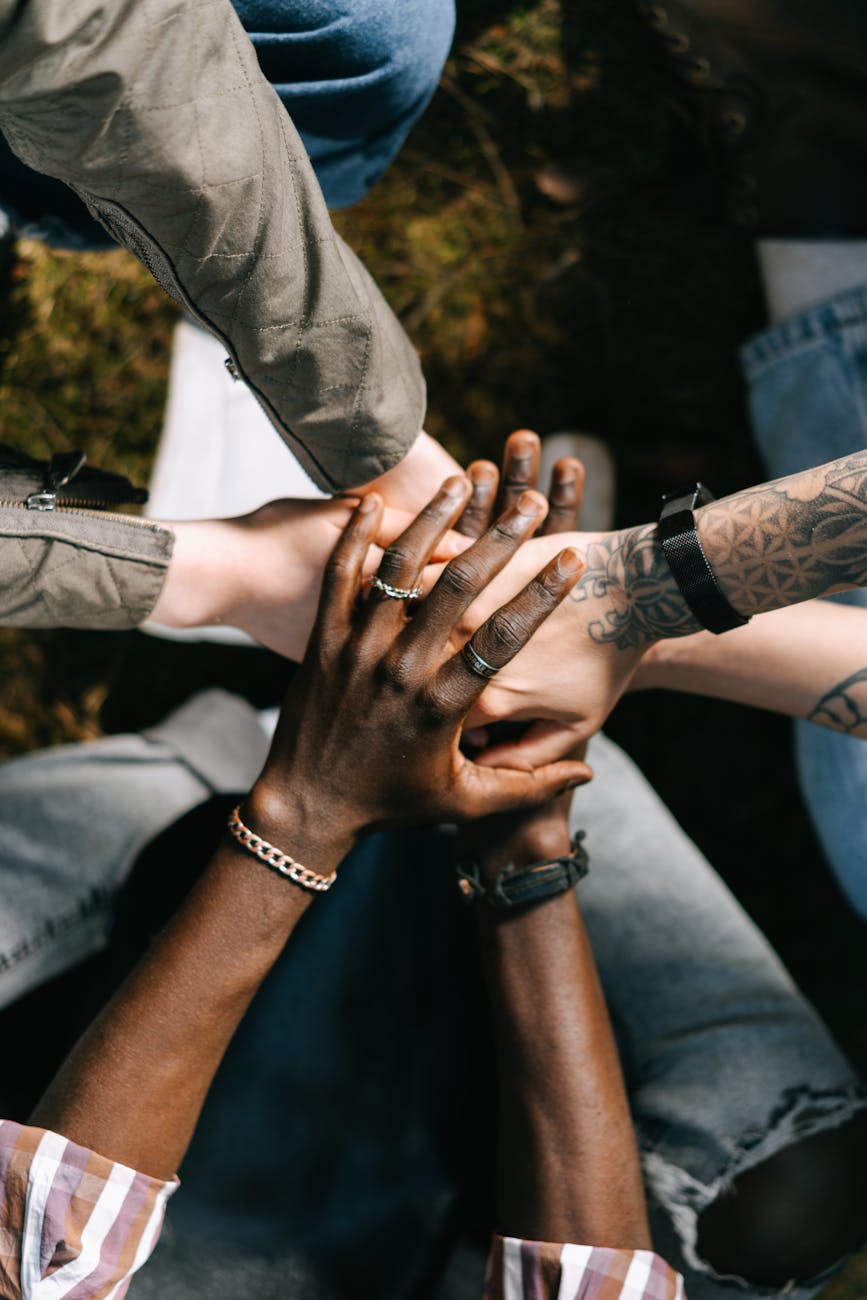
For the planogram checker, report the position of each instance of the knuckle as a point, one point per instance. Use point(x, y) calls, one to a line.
point(506, 531)
point(395, 670)
point(503, 634)
point(548, 587)
point(436, 705)
point(335, 574)
point(460, 579)
point(394, 561)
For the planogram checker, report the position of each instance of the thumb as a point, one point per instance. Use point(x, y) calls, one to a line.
point(505, 789)
point(543, 742)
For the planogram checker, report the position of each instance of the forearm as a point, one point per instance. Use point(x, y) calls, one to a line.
point(769, 547)
point(222, 206)
point(808, 661)
point(568, 1165)
point(134, 1086)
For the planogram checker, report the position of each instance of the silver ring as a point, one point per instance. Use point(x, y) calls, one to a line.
point(395, 593)
point(477, 664)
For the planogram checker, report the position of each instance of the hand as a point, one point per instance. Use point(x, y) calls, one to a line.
point(369, 733)
point(524, 837)
point(262, 572)
point(518, 744)
point(580, 663)
point(407, 487)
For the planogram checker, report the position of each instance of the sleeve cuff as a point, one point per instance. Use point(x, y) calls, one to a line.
point(71, 1214)
point(545, 1270)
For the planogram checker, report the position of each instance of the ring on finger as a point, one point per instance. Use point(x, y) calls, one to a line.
point(476, 663)
point(394, 593)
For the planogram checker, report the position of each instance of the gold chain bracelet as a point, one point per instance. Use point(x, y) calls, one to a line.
point(275, 859)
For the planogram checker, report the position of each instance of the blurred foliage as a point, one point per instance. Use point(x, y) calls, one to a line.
point(620, 313)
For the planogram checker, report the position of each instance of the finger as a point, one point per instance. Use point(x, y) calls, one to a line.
point(463, 579)
point(507, 631)
point(520, 466)
point(342, 575)
point(564, 496)
point(479, 511)
point(543, 741)
point(488, 790)
point(394, 522)
point(402, 563)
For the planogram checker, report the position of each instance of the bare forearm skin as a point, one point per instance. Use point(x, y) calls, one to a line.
point(769, 547)
point(134, 1086)
point(807, 661)
point(568, 1164)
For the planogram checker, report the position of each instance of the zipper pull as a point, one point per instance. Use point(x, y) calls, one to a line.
point(62, 468)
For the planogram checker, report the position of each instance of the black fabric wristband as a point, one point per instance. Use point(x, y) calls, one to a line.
point(688, 563)
point(520, 886)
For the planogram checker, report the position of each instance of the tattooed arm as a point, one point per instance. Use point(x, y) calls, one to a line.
point(807, 661)
point(769, 546)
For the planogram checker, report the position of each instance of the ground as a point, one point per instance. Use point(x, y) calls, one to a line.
point(619, 315)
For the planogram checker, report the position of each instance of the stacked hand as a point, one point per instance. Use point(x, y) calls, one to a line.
point(570, 676)
point(369, 735)
point(262, 572)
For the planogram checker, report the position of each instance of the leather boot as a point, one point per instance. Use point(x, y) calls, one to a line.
point(778, 89)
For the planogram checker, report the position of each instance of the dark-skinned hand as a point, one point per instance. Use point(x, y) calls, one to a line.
point(370, 729)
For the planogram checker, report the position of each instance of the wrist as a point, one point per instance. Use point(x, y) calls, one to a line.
point(202, 579)
point(290, 816)
point(527, 846)
point(653, 605)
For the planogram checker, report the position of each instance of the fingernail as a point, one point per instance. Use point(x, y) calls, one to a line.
point(368, 503)
point(530, 503)
point(483, 475)
point(569, 562)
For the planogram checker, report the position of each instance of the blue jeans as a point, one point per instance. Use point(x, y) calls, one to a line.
point(355, 75)
point(807, 382)
point(348, 1122)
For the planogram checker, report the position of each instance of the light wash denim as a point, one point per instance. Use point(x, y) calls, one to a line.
point(807, 381)
point(354, 75)
point(356, 1093)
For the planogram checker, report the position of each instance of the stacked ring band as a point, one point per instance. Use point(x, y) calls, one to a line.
point(395, 593)
point(476, 663)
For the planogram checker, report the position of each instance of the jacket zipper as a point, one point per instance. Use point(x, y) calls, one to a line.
point(61, 470)
point(90, 508)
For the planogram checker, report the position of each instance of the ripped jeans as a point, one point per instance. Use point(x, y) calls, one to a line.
point(807, 381)
point(347, 1123)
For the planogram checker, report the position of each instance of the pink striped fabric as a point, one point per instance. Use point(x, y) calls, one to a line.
point(542, 1270)
point(73, 1225)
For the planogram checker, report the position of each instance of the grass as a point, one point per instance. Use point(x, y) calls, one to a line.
point(620, 314)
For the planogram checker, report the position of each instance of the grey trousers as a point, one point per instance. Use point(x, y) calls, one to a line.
point(725, 1061)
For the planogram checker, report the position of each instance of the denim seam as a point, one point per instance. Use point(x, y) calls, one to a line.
point(97, 900)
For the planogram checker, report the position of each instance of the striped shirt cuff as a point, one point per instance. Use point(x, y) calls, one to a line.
point(544, 1270)
point(72, 1223)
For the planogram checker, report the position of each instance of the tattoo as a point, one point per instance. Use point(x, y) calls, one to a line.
point(639, 601)
point(770, 546)
point(787, 541)
point(844, 707)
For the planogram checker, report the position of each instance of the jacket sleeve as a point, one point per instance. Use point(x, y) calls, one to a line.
point(72, 569)
point(156, 113)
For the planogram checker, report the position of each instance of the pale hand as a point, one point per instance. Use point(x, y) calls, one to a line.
point(262, 572)
point(575, 668)
point(409, 485)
